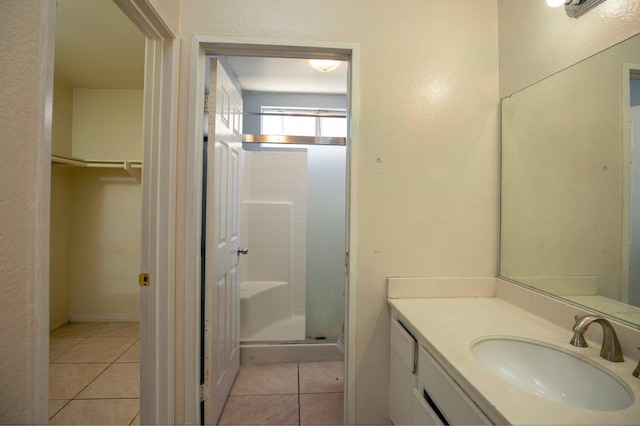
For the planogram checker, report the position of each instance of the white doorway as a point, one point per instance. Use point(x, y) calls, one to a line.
point(195, 158)
point(155, 236)
point(96, 201)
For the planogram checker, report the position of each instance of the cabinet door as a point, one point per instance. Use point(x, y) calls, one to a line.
point(402, 380)
point(402, 384)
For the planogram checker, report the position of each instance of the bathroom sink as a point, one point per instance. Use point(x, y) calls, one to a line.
point(552, 373)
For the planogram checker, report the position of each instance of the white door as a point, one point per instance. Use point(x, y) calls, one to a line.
point(221, 317)
point(634, 238)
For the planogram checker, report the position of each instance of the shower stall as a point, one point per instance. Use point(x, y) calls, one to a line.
point(293, 220)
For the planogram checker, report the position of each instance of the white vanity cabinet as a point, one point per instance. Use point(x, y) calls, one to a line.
point(422, 392)
point(403, 379)
point(443, 395)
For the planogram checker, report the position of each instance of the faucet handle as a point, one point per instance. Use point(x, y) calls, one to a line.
point(636, 372)
point(578, 340)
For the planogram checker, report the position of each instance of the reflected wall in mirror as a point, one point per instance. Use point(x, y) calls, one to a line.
point(569, 225)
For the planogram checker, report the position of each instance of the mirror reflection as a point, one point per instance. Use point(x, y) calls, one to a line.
point(570, 200)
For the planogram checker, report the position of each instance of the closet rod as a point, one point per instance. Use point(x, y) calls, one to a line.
point(78, 162)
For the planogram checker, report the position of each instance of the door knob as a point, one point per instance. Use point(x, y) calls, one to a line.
point(243, 251)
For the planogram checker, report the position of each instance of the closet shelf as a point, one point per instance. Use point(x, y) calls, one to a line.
point(131, 167)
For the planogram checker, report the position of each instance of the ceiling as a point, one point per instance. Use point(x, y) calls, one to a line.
point(98, 47)
point(284, 75)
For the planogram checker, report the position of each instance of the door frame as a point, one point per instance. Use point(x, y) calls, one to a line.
point(201, 46)
point(158, 249)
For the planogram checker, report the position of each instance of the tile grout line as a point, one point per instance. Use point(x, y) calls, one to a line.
point(74, 398)
point(299, 409)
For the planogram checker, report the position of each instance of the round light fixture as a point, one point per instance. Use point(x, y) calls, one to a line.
point(324, 65)
point(558, 3)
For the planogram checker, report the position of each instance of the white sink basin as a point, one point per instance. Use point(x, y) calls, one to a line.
point(552, 373)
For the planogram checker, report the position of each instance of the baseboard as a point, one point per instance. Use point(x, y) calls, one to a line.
point(289, 352)
point(128, 317)
point(57, 325)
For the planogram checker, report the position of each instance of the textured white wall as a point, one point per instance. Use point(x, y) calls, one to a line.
point(26, 89)
point(104, 249)
point(107, 124)
point(428, 107)
point(537, 41)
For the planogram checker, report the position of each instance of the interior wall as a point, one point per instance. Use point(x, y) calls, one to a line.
point(104, 247)
point(107, 124)
point(536, 40)
point(425, 152)
point(26, 90)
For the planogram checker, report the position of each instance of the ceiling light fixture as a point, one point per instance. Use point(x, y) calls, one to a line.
point(575, 8)
point(324, 65)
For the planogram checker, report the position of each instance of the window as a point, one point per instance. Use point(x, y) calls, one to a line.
point(304, 122)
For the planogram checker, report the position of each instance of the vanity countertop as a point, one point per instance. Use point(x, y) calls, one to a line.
point(448, 327)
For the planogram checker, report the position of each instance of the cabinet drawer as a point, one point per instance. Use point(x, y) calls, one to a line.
point(422, 413)
point(453, 403)
point(404, 344)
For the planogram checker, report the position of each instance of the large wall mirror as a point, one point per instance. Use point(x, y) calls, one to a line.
point(570, 197)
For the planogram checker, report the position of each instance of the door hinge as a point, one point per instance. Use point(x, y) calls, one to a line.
point(204, 392)
point(143, 279)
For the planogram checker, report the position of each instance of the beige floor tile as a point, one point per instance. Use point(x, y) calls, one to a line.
point(119, 329)
point(55, 405)
point(67, 380)
point(98, 412)
point(321, 377)
point(99, 349)
point(77, 329)
point(117, 381)
point(60, 345)
point(132, 354)
point(136, 421)
point(321, 409)
point(266, 379)
point(260, 410)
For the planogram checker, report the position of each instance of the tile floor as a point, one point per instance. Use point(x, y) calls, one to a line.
point(94, 378)
point(305, 393)
point(94, 374)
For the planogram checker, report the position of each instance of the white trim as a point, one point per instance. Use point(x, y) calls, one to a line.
point(193, 231)
point(148, 20)
point(352, 280)
point(200, 46)
point(40, 311)
point(157, 401)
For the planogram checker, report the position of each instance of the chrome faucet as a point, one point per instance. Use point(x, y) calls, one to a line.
point(610, 345)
